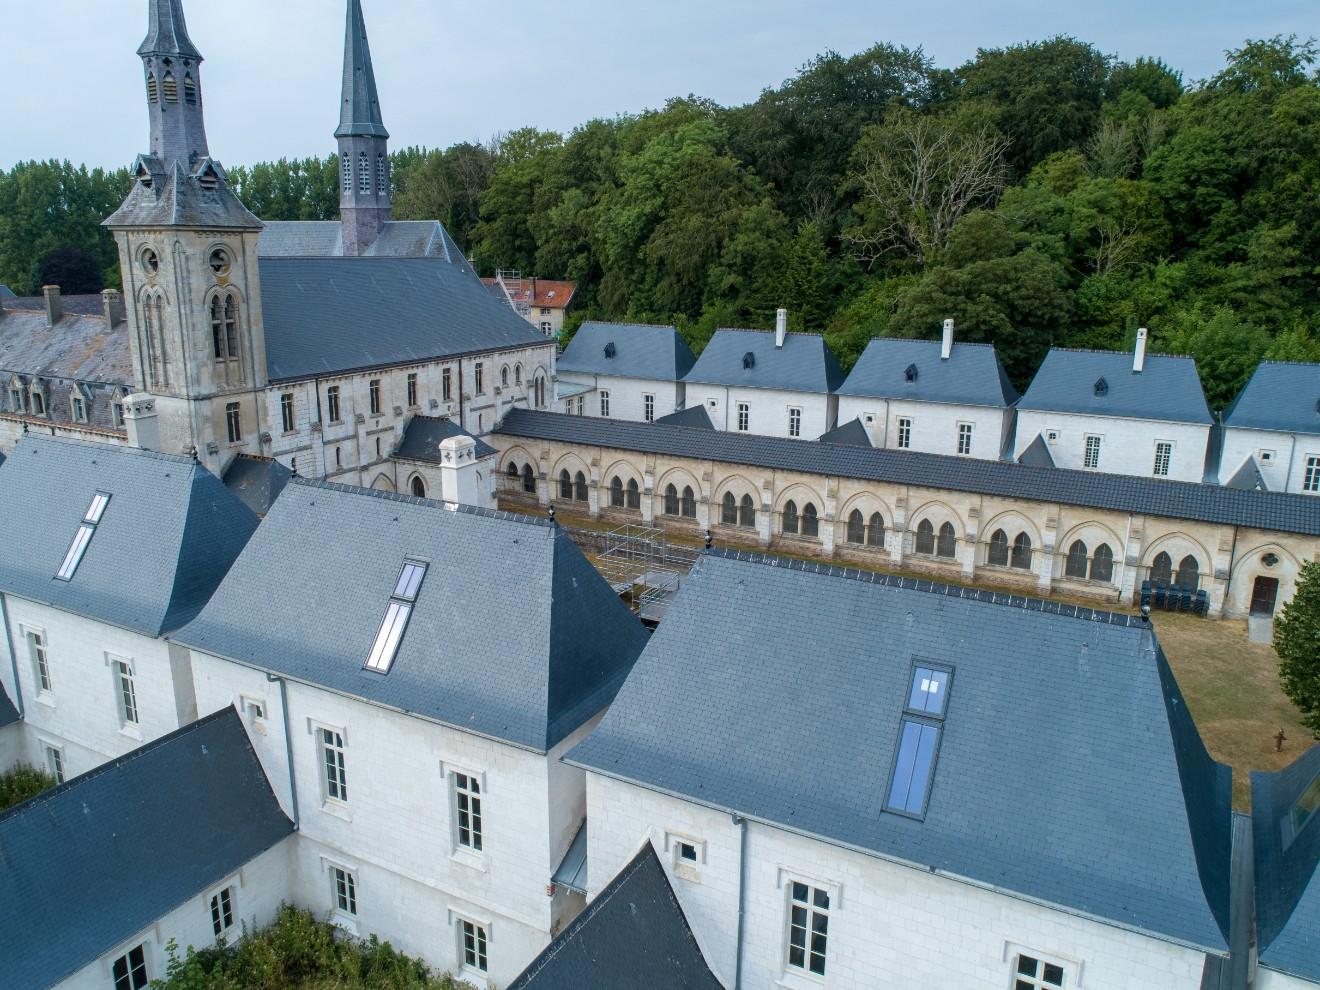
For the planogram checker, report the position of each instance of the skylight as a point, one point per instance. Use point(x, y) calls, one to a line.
point(83, 537)
point(919, 741)
point(397, 614)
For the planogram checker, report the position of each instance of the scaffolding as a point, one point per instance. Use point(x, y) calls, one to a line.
point(644, 569)
point(511, 280)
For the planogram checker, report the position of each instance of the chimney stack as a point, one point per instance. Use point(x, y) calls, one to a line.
point(946, 346)
point(781, 327)
point(52, 293)
point(110, 307)
point(1139, 359)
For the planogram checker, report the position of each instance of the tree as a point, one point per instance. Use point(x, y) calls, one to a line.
point(809, 281)
point(1226, 348)
point(917, 176)
point(73, 269)
point(1297, 642)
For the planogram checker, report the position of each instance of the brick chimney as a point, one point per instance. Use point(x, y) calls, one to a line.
point(781, 327)
point(1139, 358)
point(52, 294)
point(110, 299)
point(946, 345)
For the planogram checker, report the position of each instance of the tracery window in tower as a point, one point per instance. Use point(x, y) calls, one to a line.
point(153, 88)
point(189, 90)
point(382, 174)
point(364, 173)
point(224, 327)
point(153, 318)
point(171, 86)
point(346, 164)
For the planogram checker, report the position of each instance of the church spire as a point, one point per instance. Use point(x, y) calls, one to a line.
point(172, 65)
point(364, 161)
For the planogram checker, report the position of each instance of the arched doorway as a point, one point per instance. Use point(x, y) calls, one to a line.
point(1264, 595)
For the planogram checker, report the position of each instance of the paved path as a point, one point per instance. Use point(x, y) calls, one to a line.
point(1260, 629)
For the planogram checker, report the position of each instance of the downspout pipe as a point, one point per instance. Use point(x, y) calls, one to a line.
point(741, 822)
point(288, 744)
point(13, 655)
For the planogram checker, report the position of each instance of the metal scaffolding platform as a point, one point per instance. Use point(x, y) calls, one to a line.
point(644, 569)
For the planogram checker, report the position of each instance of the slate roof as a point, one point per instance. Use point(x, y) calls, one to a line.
point(972, 376)
point(633, 936)
point(6, 292)
point(1280, 395)
point(177, 197)
point(1278, 511)
point(155, 828)
point(693, 417)
point(320, 570)
point(804, 364)
point(82, 304)
point(1287, 888)
point(1248, 477)
point(329, 315)
point(852, 434)
point(79, 347)
point(1129, 819)
point(324, 239)
point(359, 114)
point(257, 481)
point(1167, 389)
point(8, 713)
point(655, 353)
point(167, 31)
point(1037, 454)
point(421, 439)
point(168, 535)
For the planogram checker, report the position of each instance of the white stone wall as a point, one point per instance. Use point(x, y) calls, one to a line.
point(934, 424)
point(1127, 446)
point(626, 396)
point(889, 925)
point(767, 409)
point(258, 889)
point(1285, 468)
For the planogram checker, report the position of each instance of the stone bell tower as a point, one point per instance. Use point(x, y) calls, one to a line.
point(364, 158)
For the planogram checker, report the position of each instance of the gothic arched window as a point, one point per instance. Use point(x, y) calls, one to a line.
point(925, 542)
point(1189, 573)
point(153, 317)
point(580, 487)
point(364, 173)
point(948, 542)
point(1075, 565)
point(504, 377)
point(810, 521)
point(729, 510)
point(153, 88)
point(746, 512)
point(565, 485)
point(875, 531)
point(688, 507)
point(171, 88)
point(671, 500)
point(512, 469)
point(634, 494)
point(1161, 569)
point(189, 90)
point(1102, 564)
point(997, 555)
point(346, 163)
point(856, 527)
point(616, 492)
point(418, 487)
point(529, 479)
point(1022, 552)
point(517, 374)
point(790, 520)
point(382, 174)
point(224, 326)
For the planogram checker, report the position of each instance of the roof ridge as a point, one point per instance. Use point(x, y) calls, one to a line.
point(1025, 603)
point(1128, 353)
point(117, 449)
point(931, 340)
point(119, 761)
point(440, 504)
point(627, 323)
point(1294, 364)
point(770, 333)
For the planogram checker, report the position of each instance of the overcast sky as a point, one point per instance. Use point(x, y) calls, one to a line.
point(450, 71)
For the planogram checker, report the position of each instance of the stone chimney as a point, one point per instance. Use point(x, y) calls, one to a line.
point(781, 328)
point(53, 314)
point(458, 471)
point(110, 307)
point(946, 345)
point(1139, 358)
point(141, 421)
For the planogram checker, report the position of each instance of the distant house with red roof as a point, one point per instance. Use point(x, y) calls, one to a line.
point(542, 302)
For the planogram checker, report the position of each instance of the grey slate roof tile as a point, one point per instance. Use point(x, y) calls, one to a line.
point(421, 440)
point(8, 713)
point(103, 856)
point(804, 364)
point(852, 434)
point(320, 570)
point(1281, 396)
point(324, 239)
point(1168, 387)
point(1037, 454)
point(1287, 888)
point(177, 198)
point(257, 481)
point(693, 417)
point(1286, 513)
point(170, 532)
point(973, 375)
point(639, 351)
point(1127, 819)
point(78, 347)
point(633, 936)
point(1248, 477)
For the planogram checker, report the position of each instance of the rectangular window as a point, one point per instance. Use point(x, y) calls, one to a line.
point(79, 409)
point(808, 928)
point(222, 912)
point(332, 761)
point(795, 422)
point(919, 740)
point(412, 391)
point(118, 409)
point(964, 438)
point(55, 763)
point(581, 406)
point(83, 537)
point(605, 403)
point(479, 374)
point(373, 392)
point(40, 661)
point(446, 384)
point(1092, 456)
point(1311, 480)
point(1163, 455)
point(397, 613)
point(648, 408)
point(287, 420)
point(467, 808)
point(904, 434)
point(1030, 973)
point(130, 969)
point(474, 946)
point(332, 403)
point(128, 707)
point(345, 890)
point(744, 417)
point(233, 423)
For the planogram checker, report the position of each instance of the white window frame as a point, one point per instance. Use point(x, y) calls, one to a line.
point(903, 433)
point(744, 421)
point(1091, 447)
point(1311, 473)
point(479, 377)
point(1072, 968)
point(648, 407)
point(345, 917)
point(458, 919)
point(330, 802)
point(965, 431)
point(39, 657)
point(124, 674)
point(1266, 456)
point(288, 412)
point(1164, 451)
point(795, 421)
point(605, 403)
point(833, 891)
point(255, 712)
point(143, 942)
point(684, 868)
point(55, 761)
point(216, 894)
point(460, 853)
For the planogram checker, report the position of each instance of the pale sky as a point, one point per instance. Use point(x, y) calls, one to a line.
point(448, 71)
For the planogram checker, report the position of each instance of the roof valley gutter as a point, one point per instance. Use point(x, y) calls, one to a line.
point(288, 745)
point(13, 655)
point(741, 822)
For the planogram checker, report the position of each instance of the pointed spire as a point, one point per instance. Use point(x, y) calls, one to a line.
point(359, 112)
point(167, 32)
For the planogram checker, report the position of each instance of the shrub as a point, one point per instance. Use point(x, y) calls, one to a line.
point(21, 783)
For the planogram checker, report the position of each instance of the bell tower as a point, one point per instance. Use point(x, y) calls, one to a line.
point(188, 254)
point(364, 160)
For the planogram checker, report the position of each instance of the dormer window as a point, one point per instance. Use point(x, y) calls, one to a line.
point(749, 361)
point(1101, 387)
point(208, 177)
point(397, 614)
point(910, 373)
point(610, 349)
point(81, 539)
point(38, 399)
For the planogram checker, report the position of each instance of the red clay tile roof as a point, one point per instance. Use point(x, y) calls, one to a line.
point(543, 292)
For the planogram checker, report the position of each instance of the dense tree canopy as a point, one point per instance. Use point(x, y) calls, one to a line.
point(1041, 194)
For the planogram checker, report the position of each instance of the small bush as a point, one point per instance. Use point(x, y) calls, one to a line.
point(299, 952)
point(21, 783)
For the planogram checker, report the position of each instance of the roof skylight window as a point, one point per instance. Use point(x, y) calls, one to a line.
point(919, 741)
point(397, 614)
point(83, 537)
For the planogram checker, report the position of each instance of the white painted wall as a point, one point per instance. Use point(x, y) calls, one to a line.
point(1127, 445)
point(258, 889)
point(934, 424)
point(889, 925)
point(768, 409)
point(626, 396)
point(1284, 469)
